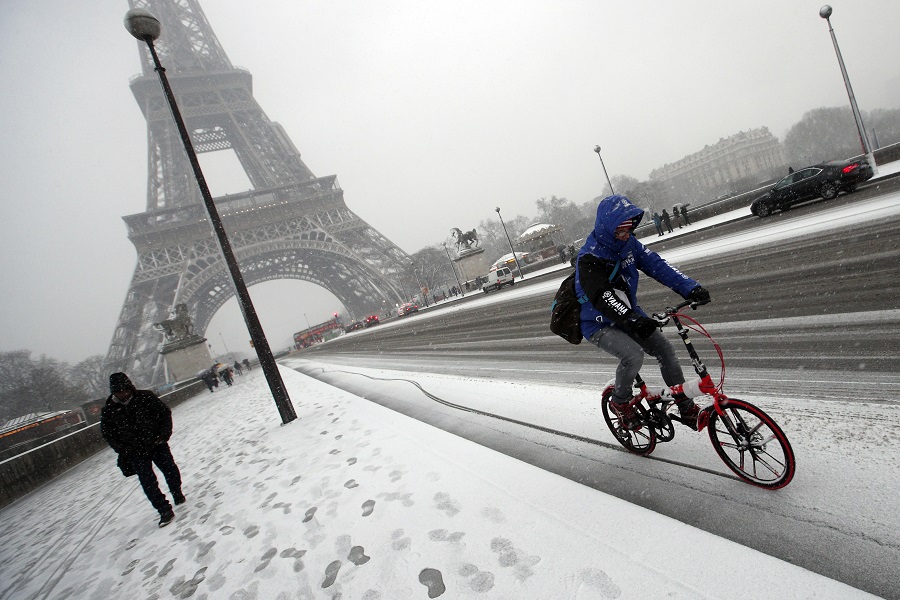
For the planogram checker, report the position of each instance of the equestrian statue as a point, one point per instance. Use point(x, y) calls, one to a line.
point(465, 240)
point(178, 327)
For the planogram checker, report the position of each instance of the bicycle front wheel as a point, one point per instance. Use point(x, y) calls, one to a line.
point(752, 444)
point(641, 441)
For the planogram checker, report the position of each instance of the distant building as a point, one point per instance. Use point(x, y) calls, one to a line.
point(753, 154)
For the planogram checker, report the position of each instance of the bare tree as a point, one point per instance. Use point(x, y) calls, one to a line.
point(91, 376)
point(559, 211)
point(29, 386)
point(823, 134)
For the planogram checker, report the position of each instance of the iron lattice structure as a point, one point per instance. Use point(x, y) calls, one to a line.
point(292, 225)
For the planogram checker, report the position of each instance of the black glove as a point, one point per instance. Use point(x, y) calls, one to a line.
point(700, 295)
point(641, 327)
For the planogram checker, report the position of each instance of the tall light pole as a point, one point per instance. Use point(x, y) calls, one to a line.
point(511, 249)
point(419, 282)
point(224, 345)
point(597, 150)
point(825, 13)
point(452, 268)
point(146, 28)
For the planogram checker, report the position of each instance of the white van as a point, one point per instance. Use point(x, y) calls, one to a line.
point(497, 279)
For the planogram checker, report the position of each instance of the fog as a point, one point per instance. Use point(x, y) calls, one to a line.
point(430, 116)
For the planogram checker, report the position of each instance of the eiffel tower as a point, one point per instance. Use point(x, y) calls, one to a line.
point(292, 225)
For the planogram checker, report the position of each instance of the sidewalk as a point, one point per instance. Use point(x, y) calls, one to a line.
point(355, 501)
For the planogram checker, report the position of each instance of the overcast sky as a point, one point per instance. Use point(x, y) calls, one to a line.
point(430, 114)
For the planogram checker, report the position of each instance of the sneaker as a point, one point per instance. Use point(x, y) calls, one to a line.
point(179, 499)
point(166, 518)
point(628, 417)
point(689, 415)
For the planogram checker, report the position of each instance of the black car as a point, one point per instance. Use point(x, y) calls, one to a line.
point(824, 180)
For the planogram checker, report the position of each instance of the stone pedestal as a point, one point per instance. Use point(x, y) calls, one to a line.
point(472, 263)
point(186, 357)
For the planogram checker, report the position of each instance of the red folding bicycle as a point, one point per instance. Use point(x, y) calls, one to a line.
point(747, 439)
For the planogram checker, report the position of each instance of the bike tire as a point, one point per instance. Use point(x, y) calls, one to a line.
point(638, 441)
point(757, 450)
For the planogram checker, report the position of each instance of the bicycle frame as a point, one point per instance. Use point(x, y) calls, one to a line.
point(749, 441)
point(719, 399)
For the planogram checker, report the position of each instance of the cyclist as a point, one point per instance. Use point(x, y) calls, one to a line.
point(607, 274)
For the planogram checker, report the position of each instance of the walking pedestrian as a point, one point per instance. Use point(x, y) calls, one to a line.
point(666, 221)
point(657, 220)
point(676, 215)
point(687, 221)
point(237, 368)
point(210, 379)
point(247, 364)
point(138, 425)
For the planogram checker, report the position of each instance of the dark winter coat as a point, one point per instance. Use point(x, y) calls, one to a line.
point(607, 269)
point(135, 428)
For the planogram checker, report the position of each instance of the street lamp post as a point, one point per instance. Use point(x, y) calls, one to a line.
point(452, 268)
point(224, 345)
point(511, 249)
point(825, 13)
point(146, 28)
point(597, 150)
point(419, 282)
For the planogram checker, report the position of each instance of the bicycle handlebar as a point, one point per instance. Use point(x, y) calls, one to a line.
point(663, 317)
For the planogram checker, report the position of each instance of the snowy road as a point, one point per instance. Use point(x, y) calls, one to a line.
point(826, 374)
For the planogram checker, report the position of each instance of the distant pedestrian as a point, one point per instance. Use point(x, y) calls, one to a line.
point(657, 220)
point(666, 221)
point(210, 379)
point(684, 214)
point(676, 215)
point(247, 364)
point(228, 376)
point(237, 368)
point(138, 425)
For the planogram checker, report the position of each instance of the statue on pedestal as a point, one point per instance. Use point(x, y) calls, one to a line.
point(178, 327)
point(185, 352)
point(465, 240)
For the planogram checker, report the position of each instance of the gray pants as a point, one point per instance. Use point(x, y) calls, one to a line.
point(630, 353)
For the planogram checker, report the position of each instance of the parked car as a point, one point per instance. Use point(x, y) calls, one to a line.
point(372, 320)
point(406, 309)
point(824, 180)
point(497, 278)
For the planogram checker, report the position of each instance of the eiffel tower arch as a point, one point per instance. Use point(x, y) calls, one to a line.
point(291, 225)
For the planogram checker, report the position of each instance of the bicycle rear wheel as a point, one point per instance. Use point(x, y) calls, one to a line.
point(752, 444)
point(640, 441)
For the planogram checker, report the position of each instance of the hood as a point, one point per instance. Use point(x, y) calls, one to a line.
point(612, 211)
point(119, 382)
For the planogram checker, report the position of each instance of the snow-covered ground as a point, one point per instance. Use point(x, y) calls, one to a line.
point(353, 500)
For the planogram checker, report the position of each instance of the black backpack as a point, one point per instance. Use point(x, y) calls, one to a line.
point(565, 312)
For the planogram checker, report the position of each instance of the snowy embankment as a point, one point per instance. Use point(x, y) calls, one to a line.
point(353, 500)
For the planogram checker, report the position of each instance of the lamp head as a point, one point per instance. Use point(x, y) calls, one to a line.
point(597, 150)
point(142, 25)
point(497, 210)
point(825, 11)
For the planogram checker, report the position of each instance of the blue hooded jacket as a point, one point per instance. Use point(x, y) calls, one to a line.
point(630, 256)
